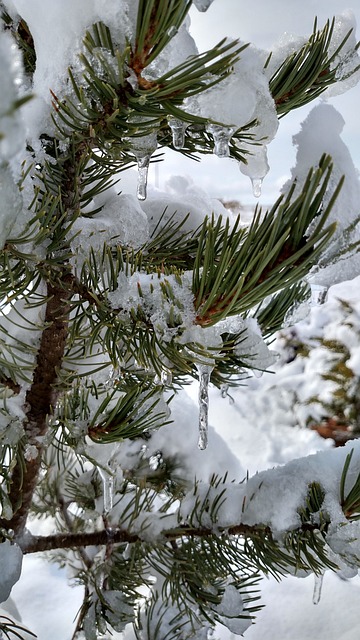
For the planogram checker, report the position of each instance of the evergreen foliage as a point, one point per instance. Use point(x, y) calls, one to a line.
point(95, 345)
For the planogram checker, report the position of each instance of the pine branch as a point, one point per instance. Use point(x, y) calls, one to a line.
point(35, 544)
point(308, 72)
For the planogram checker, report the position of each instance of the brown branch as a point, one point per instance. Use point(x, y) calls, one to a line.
point(40, 400)
point(36, 544)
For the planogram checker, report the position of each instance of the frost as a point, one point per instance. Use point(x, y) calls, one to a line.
point(10, 563)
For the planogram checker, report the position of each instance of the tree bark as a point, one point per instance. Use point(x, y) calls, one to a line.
point(40, 400)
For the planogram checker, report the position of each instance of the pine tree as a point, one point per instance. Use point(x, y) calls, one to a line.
point(107, 314)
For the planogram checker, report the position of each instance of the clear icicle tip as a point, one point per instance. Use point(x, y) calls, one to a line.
point(256, 186)
point(143, 163)
point(166, 377)
point(178, 129)
point(224, 390)
point(203, 5)
point(318, 583)
point(222, 137)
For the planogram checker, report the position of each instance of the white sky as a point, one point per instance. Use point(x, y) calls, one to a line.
point(262, 22)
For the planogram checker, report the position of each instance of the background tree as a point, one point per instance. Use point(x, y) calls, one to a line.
point(110, 308)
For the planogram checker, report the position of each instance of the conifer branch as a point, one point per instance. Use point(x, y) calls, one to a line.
point(35, 544)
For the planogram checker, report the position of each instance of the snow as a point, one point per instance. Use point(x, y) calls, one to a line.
point(120, 221)
point(11, 78)
point(10, 203)
point(347, 74)
point(10, 563)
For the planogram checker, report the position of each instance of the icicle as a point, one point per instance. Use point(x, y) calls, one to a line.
point(204, 371)
point(202, 5)
point(178, 129)
point(224, 390)
point(143, 147)
point(111, 381)
point(318, 294)
point(108, 481)
point(256, 167)
point(166, 377)
point(222, 137)
point(172, 31)
point(256, 186)
point(143, 169)
point(318, 582)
